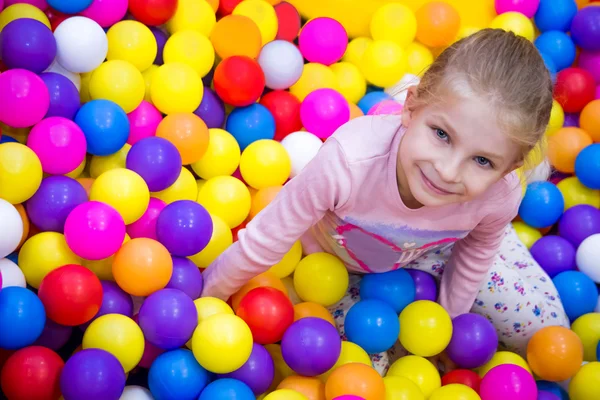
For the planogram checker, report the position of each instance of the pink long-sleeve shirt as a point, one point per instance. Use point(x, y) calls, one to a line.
point(347, 200)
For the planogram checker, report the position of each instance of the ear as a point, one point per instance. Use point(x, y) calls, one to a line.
point(411, 94)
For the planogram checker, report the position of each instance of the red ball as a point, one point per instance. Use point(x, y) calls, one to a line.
point(285, 108)
point(289, 21)
point(575, 87)
point(464, 377)
point(32, 373)
point(268, 312)
point(55, 18)
point(152, 12)
point(239, 81)
point(71, 294)
point(226, 7)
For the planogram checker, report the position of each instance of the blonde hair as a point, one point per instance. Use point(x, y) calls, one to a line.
point(501, 68)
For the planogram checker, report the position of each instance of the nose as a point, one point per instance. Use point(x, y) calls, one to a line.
point(449, 170)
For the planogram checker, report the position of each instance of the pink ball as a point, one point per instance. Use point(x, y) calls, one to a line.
point(323, 40)
point(41, 4)
point(145, 227)
point(106, 12)
point(508, 381)
point(348, 397)
point(323, 111)
point(386, 107)
point(24, 98)
point(143, 122)
point(525, 7)
point(59, 143)
point(591, 63)
point(94, 230)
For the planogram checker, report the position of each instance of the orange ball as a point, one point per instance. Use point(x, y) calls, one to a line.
point(236, 35)
point(142, 266)
point(355, 111)
point(311, 388)
point(356, 379)
point(187, 132)
point(565, 145)
point(25, 220)
point(309, 309)
point(267, 279)
point(555, 353)
point(262, 198)
point(437, 24)
point(86, 183)
point(589, 120)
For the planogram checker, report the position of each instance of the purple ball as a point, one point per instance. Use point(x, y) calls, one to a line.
point(543, 395)
point(161, 38)
point(474, 341)
point(28, 44)
point(184, 227)
point(578, 223)
point(311, 346)
point(554, 254)
point(425, 285)
point(64, 96)
point(92, 374)
point(258, 372)
point(571, 119)
point(54, 336)
point(591, 63)
point(56, 197)
point(156, 160)
point(168, 318)
point(186, 277)
point(211, 110)
point(114, 301)
point(585, 28)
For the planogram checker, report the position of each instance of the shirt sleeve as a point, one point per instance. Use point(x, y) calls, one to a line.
point(324, 184)
point(473, 256)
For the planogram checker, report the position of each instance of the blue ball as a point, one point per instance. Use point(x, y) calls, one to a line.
point(7, 139)
point(371, 99)
point(550, 65)
point(555, 15)
point(105, 126)
point(542, 205)
point(22, 317)
point(227, 389)
point(558, 46)
point(395, 288)
point(578, 293)
point(553, 388)
point(251, 123)
point(587, 166)
point(373, 325)
point(177, 375)
point(70, 6)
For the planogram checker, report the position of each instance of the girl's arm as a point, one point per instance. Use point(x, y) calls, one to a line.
point(324, 184)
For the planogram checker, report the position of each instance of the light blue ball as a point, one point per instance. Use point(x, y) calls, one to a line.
point(587, 166)
point(558, 46)
point(251, 123)
point(105, 126)
point(371, 99)
point(373, 325)
point(396, 288)
point(227, 389)
point(555, 15)
point(577, 292)
point(177, 375)
point(22, 318)
point(542, 205)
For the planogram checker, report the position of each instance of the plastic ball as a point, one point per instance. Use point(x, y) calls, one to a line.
point(145, 226)
point(220, 240)
point(578, 223)
point(226, 197)
point(152, 12)
point(265, 163)
point(258, 372)
point(437, 24)
point(11, 235)
point(419, 371)
point(321, 278)
point(184, 188)
point(351, 353)
point(384, 63)
point(114, 301)
point(285, 394)
point(285, 109)
point(281, 63)
point(323, 40)
point(69, 7)
point(575, 193)
point(401, 388)
point(239, 80)
point(584, 384)
point(22, 318)
point(557, 119)
point(176, 374)
point(106, 12)
point(249, 124)
point(590, 61)
point(134, 392)
point(555, 15)
point(176, 88)
point(301, 147)
point(64, 96)
point(476, 333)
point(20, 172)
point(350, 81)
point(371, 99)
point(82, 44)
point(586, 255)
point(578, 293)
point(308, 309)
point(186, 277)
point(575, 88)
point(323, 111)
point(587, 327)
point(558, 46)
point(133, 42)
point(425, 285)
point(105, 126)
point(508, 382)
point(184, 227)
point(373, 325)
point(542, 205)
point(188, 133)
point(148, 78)
point(191, 48)
point(11, 274)
point(555, 353)
point(584, 29)
point(590, 122)
point(395, 22)
point(101, 164)
point(514, 22)
point(395, 288)
point(124, 190)
point(355, 381)
point(236, 35)
point(156, 160)
point(24, 98)
point(118, 81)
point(419, 58)
point(192, 15)
point(554, 254)
point(28, 44)
point(527, 234)
point(225, 389)
point(525, 7)
point(312, 388)
point(501, 358)
point(462, 377)
point(288, 263)
point(314, 76)
point(263, 14)
point(426, 328)
point(23, 9)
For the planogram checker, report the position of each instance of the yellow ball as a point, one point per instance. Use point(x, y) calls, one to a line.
point(288, 263)
point(587, 327)
point(314, 76)
point(356, 49)
point(321, 278)
point(176, 87)
point(466, 31)
point(501, 358)
point(76, 173)
point(350, 81)
point(42, 254)
point(84, 92)
point(400, 388)
point(132, 41)
point(20, 172)
point(265, 163)
point(285, 394)
point(192, 14)
point(514, 22)
point(222, 343)
point(419, 58)
point(192, 48)
point(220, 240)
point(454, 392)
point(418, 370)
point(426, 328)
point(526, 233)
point(575, 193)
point(119, 335)
point(222, 155)
point(384, 63)
point(585, 385)
point(263, 14)
point(124, 190)
point(282, 370)
point(199, 183)
point(207, 307)
point(226, 197)
point(148, 75)
point(351, 353)
point(22, 10)
point(102, 268)
point(394, 22)
point(120, 82)
point(184, 188)
point(101, 164)
point(557, 119)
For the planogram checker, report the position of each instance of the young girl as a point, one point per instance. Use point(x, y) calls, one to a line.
point(433, 189)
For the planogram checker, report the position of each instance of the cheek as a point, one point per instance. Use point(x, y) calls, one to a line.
point(480, 181)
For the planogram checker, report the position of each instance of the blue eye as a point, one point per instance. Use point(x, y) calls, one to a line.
point(484, 162)
point(441, 134)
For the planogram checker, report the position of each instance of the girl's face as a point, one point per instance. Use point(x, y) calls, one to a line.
point(452, 153)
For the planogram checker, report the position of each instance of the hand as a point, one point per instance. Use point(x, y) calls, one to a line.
point(443, 363)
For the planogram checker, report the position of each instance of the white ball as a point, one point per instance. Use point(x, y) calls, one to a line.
point(134, 392)
point(588, 257)
point(12, 228)
point(11, 274)
point(81, 44)
point(72, 76)
point(302, 147)
point(282, 64)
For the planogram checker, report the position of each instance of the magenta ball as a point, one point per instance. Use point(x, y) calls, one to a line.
point(323, 111)
point(508, 381)
point(24, 98)
point(145, 227)
point(143, 122)
point(590, 61)
point(94, 230)
point(59, 144)
point(323, 40)
point(106, 12)
point(386, 107)
point(349, 397)
point(525, 7)
point(41, 4)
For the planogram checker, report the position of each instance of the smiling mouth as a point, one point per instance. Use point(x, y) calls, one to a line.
point(433, 187)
